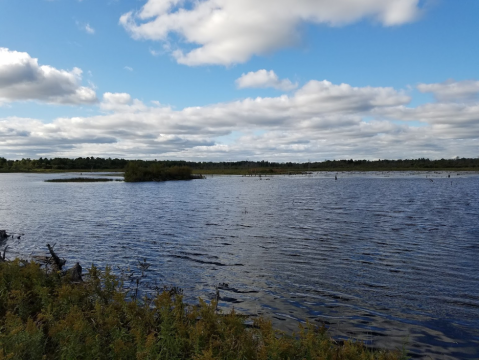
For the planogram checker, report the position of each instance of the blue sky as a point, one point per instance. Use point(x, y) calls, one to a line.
point(408, 68)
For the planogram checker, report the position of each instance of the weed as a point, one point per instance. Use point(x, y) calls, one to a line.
point(46, 316)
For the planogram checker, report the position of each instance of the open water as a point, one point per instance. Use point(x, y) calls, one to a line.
point(388, 258)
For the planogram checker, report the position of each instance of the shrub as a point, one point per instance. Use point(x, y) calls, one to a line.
point(135, 172)
point(45, 316)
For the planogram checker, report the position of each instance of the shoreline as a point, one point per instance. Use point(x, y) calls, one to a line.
point(247, 172)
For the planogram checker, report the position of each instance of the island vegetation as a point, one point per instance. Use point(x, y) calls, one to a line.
point(46, 313)
point(237, 167)
point(136, 171)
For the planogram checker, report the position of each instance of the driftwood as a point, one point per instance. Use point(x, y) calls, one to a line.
point(58, 262)
point(75, 272)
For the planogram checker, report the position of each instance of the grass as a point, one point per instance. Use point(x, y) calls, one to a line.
point(82, 179)
point(43, 315)
point(243, 171)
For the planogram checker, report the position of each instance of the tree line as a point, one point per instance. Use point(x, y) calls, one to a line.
point(96, 164)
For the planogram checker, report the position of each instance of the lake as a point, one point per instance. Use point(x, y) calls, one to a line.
point(387, 258)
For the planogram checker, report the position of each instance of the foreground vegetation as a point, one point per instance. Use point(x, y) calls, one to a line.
point(238, 167)
point(44, 315)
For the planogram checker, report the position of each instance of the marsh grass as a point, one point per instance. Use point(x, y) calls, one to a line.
point(45, 316)
point(81, 179)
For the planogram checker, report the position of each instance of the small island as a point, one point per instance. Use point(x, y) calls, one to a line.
point(136, 171)
point(81, 180)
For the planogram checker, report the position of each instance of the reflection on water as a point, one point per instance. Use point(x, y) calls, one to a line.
point(390, 259)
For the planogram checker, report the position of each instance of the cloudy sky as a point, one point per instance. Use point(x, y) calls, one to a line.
point(279, 80)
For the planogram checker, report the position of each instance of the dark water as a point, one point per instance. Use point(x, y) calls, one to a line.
point(391, 259)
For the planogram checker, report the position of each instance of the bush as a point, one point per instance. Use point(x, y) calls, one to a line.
point(45, 316)
point(135, 172)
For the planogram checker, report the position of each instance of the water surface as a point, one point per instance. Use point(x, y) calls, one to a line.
point(388, 258)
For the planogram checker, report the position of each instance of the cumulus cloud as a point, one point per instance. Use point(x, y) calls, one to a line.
point(121, 102)
point(21, 78)
point(452, 90)
point(264, 79)
point(445, 120)
point(321, 120)
point(231, 31)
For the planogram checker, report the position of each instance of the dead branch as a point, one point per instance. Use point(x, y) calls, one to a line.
point(58, 262)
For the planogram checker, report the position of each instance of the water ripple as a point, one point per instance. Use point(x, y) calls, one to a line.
point(380, 258)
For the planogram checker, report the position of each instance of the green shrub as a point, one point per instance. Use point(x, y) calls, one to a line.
point(45, 316)
point(135, 172)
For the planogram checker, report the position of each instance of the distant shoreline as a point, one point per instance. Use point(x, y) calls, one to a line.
point(302, 172)
point(271, 171)
point(244, 167)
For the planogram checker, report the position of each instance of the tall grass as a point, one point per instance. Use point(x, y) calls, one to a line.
point(46, 316)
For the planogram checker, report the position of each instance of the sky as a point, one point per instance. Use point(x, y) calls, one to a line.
point(229, 80)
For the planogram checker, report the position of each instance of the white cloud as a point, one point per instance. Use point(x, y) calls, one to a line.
point(445, 120)
point(121, 102)
point(452, 90)
point(319, 121)
point(231, 31)
point(89, 29)
point(264, 79)
point(129, 68)
point(85, 27)
point(21, 78)
point(116, 98)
